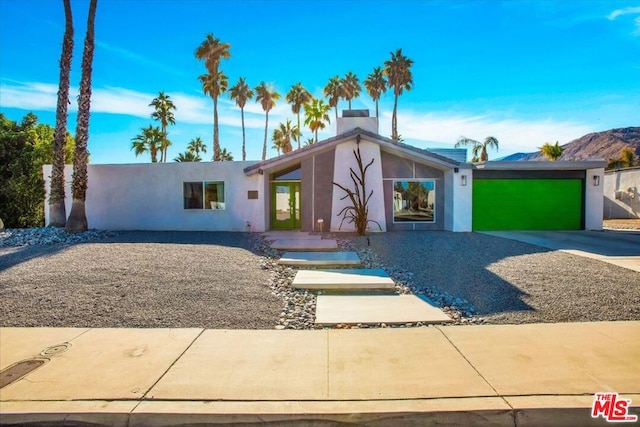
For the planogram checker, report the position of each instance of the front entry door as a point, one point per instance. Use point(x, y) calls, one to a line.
point(285, 205)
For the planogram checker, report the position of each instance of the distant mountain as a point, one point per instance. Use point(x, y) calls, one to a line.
point(599, 145)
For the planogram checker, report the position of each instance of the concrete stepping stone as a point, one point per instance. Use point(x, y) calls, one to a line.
point(290, 235)
point(305, 245)
point(333, 259)
point(344, 279)
point(390, 309)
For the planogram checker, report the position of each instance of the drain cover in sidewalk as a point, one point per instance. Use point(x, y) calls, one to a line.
point(334, 309)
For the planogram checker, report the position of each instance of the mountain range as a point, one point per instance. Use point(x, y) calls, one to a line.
point(599, 145)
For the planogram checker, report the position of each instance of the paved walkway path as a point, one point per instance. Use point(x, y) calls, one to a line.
point(536, 374)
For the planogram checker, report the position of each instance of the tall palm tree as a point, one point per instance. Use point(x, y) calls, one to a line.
point(316, 114)
point(163, 113)
point(333, 92)
point(552, 152)
point(398, 72)
point(214, 84)
point(77, 221)
point(211, 51)
point(297, 97)
point(57, 211)
point(267, 97)
point(376, 85)
point(187, 156)
point(350, 87)
point(241, 93)
point(478, 147)
point(196, 146)
point(225, 156)
point(149, 140)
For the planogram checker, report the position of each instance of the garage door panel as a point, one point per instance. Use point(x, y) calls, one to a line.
point(527, 204)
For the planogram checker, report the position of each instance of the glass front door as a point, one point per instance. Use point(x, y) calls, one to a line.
point(285, 205)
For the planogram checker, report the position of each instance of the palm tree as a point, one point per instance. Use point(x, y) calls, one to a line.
point(214, 84)
point(196, 146)
point(187, 156)
point(283, 135)
point(267, 97)
point(225, 156)
point(241, 92)
point(211, 50)
point(297, 97)
point(478, 147)
point(350, 87)
point(316, 114)
point(149, 140)
point(333, 92)
point(552, 152)
point(57, 211)
point(376, 85)
point(278, 140)
point(77, 221)
point(164, 108)
point(309, 141)
point(398, 72)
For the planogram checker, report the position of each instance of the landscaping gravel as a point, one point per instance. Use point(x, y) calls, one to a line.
point(138, 279)
point(508, 282)
point(233, 281)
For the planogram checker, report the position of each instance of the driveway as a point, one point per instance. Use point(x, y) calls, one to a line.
point(621, 248)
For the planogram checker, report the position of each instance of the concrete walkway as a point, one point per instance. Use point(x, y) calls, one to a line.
point(621, 248)
point(536, 374)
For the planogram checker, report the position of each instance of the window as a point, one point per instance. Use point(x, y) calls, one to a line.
point(204, 195)
point(414, 201)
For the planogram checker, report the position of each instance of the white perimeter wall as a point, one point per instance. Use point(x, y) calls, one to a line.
point(594, 200)
point(344, 159)
point(150, 197)
point(622, 193)
point(458, 210)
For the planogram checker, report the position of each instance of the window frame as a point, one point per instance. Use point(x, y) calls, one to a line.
point(221, 205)
point(434, 203)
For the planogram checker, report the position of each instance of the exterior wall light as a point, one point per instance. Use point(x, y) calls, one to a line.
point(463, 179)
point(596, 180)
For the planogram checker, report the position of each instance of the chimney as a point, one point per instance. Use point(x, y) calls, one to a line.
point(352, 119)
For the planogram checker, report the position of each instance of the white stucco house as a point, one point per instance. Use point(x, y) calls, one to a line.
point(413, 189)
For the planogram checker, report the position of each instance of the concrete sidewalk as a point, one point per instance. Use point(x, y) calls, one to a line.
point(535, 374)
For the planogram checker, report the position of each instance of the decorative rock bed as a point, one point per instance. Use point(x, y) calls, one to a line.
point(299, 305)
point(48, 236)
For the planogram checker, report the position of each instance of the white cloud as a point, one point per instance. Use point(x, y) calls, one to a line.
point(443, 129)
point(632, 10)
point(619, 12)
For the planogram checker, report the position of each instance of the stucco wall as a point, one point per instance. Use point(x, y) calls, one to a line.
point(343, 161)
point(622, 193)
point(150, 197)
point(593, 200)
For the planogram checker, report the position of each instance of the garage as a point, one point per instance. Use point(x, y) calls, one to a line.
point(528, 200)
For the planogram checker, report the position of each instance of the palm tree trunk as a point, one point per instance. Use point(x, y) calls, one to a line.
point(300, 134)
point(163, 147)
point(57, 211)
point(264, 146)
point(376, 108)
point(77, 218)
point(316, 134)
point(216, 137)
point(244, 153)
point(336, 114)
point(394, 119)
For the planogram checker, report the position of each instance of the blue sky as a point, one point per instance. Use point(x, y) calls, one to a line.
point(526, 72)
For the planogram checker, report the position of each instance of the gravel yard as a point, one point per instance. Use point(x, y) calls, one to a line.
point(139, 279)
point(222, 280)
point(512, 282)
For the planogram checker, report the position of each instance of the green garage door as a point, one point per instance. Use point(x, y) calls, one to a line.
point(527, 204)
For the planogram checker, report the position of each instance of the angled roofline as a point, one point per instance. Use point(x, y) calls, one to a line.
point(387, 143)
